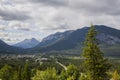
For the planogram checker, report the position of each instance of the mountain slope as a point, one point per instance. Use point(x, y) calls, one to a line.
point(106, 36)
point(27, 43)
point(7, 49)
point(53, 38)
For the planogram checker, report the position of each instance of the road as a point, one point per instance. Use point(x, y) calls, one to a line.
point(61, 65)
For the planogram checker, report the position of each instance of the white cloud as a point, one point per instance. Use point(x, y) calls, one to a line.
point(38, 18)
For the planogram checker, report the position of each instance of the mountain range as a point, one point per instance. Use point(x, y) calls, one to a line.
point(72, 40)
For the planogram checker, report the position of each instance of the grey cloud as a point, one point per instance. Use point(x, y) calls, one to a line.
point(52, 2)
point(3, 34)
point(57, 27)
point(97, 7)
point(13, 15)
point(2, 28)
point(16, 25)
point(3, 39)
point(62, 26)
point(10, 39)
point(24, 29)
point(91, 7)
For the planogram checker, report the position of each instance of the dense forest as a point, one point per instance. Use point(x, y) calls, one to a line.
point(92, 65)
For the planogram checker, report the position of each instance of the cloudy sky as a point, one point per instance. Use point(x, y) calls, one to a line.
point(20, 19)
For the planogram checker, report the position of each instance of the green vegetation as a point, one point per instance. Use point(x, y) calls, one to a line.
point(13, 69)
point(92, 67)
point(96, 66)
point(5, 73)
point(48, 74)
point(116, 75)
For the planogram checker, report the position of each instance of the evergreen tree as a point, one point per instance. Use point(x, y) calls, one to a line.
point(17, 74)
point(96, 66)
point(71, 73)
point(26, 72)
point(6, 73)
point(49, 74)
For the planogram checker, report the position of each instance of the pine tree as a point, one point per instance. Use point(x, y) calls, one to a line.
point(17, 74)
point(71, 73)
point(96, 66)
point(26, 73)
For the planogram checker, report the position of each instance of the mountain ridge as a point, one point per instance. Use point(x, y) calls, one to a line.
point(5, 48)
point(70, 41)
point(109, 36)
point(27, 43)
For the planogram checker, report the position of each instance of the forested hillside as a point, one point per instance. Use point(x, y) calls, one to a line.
point(91, 66)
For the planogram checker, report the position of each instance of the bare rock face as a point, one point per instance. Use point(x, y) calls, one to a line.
point(108, 39)
point(53, 38)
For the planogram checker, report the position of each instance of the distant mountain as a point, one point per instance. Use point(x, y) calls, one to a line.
point(53, 38)
point(27, 43)
point(69, 42)
point(61, 41)
point(7, 49)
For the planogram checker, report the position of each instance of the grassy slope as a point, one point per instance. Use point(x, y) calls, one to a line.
point(112, 51)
